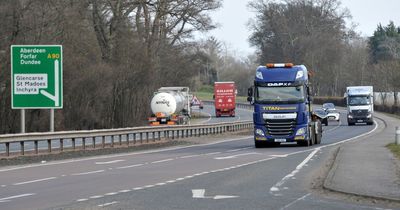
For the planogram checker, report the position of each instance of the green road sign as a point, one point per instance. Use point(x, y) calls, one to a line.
point(36, 75)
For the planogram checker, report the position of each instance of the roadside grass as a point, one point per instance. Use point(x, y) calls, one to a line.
point(395, 149)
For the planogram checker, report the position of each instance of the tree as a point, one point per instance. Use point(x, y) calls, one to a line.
point(310, 32)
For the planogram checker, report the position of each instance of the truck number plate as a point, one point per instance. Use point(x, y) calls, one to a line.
point(359, 120)
point(280, 140)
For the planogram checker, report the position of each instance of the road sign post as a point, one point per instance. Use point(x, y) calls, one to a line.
point(36, 75)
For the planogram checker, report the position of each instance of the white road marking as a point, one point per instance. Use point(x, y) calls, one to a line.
point(218, 197)
point(3, 185)
point(275, 188)
point(199, 193)
point(235, 156)
point(33, 181)
point(7, 199)
point(96, 196)
point(111, 193)
point(108, 204)
point(89, 172)
point(161, 161)
point(109, 162)
point(297, 200)
point(124, 191)
point(236, 150)
point(131, 166)
point(148, 186)
point(82, 199)
point(212, 153)
point(189, 156)
point(285, 155)
point(209, 118)
point(138, 188)
point(160, 184)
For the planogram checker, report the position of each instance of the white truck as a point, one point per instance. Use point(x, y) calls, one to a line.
point(360, 105)
point(170, 106)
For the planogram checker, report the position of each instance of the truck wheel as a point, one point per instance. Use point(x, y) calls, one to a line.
point(350, 124)
point(370, 123)
point(258, 144)
point(304, 143)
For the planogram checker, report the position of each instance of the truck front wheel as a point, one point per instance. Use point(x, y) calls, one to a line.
point(258, 144)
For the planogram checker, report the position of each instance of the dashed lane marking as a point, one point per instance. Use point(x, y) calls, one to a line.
point(34, 181)
point(87, 173)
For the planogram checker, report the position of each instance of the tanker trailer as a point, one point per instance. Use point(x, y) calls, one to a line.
point(170, 106)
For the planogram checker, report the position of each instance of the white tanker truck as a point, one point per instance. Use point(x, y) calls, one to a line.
point(170, 106)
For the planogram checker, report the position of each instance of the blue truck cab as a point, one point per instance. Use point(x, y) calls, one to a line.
point(282, 106)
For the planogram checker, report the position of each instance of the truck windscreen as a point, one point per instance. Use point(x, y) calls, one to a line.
point(359, 100)
point(283, 95)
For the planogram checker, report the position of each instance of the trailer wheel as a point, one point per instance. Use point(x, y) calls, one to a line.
point(325, 121)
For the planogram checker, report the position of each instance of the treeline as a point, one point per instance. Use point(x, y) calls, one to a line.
point(116, 53)
point(314, 33)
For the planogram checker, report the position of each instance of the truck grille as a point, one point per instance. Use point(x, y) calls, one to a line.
point(360, 113)
point(284, 127)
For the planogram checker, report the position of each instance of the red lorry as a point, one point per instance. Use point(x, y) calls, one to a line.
point(224, 98)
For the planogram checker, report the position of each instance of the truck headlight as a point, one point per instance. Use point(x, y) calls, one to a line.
point(369, 115)
point(350, 116)
point(259, 132)
point(301, 131)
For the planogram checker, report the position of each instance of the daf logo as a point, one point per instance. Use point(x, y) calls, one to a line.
point(277, 84)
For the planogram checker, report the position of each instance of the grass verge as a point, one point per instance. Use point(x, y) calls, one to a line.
point(395, 149)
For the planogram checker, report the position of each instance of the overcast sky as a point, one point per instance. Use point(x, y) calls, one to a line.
point(234, 16)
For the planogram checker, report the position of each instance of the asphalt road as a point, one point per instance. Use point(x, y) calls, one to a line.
point(230, 174)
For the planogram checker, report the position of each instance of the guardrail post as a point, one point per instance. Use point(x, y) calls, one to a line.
point(120, 139)
point(112, 141)
point(134, 138)
point(397, 135)
point(153, 136)
point(61, 145)
point(147, 137)
point(73, 143)
point(141, 138)
point(127, 139)
point(84, 143)
point(103, 142)
point(159, 136)
point(22, 147)
point(94, 142)
point(49, 145)
point(7, 148)
point(36, 146)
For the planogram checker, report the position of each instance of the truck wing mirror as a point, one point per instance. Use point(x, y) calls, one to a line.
point(250, 97)
point(250, 92)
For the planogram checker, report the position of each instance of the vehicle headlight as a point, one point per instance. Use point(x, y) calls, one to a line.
point(259, 132)
point(350, 116)
point(301, 131)
point(369, 115)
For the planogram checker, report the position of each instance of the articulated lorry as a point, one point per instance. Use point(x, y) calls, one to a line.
point(170, 106)
point(360, 105)
point(282, 106)
point(224, 98)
